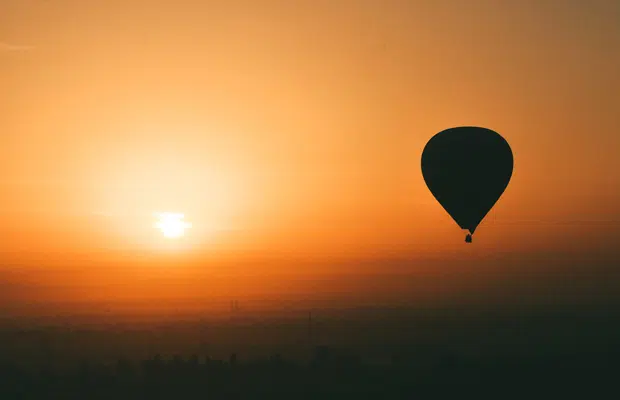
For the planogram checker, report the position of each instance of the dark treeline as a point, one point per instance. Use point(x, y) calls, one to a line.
point(329, 374)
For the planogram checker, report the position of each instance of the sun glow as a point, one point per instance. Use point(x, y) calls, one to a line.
point(172, 225)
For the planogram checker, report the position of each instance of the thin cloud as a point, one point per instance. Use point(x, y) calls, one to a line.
point(14, 47)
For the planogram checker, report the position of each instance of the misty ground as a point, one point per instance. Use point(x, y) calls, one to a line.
point(406, 350)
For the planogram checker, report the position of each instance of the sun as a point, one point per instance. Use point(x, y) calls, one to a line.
point(172, 225)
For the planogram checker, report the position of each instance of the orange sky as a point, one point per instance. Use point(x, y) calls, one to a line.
point(294, 129)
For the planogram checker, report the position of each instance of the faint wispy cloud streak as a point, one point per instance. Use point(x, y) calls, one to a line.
point(14, 47)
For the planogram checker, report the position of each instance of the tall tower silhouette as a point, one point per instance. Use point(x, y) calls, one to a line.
point(203, 344)
point(310, 338)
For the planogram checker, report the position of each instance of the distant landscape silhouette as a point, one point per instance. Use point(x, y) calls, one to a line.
point(329, 375)
point(552, 353)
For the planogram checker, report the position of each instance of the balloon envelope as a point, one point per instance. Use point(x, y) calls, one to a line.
point(467, 169)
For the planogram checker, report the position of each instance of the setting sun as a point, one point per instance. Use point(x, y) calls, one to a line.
point(172, 225)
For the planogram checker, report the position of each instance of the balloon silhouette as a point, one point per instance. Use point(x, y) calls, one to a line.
point(467, 169)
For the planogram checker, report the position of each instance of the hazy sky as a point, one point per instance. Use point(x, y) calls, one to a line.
point(295, 128)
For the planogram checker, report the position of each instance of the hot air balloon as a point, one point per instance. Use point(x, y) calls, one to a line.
point(467, 169)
